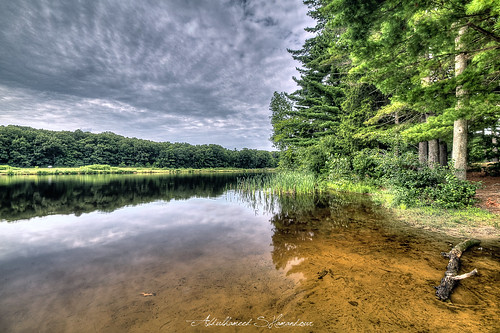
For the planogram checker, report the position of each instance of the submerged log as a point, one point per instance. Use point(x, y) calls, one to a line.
point(451, 277)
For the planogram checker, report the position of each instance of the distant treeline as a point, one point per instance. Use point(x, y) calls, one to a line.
point(29, 147)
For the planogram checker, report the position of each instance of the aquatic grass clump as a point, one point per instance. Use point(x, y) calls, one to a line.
point(285, 182)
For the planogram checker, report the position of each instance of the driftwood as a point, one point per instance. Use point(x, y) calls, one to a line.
point(451, 277)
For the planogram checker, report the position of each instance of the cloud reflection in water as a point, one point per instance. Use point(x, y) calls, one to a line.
point(42, 235)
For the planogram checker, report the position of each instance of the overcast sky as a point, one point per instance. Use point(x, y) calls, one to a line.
point(196, 71)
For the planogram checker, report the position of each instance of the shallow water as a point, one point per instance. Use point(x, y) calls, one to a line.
point(76, 254)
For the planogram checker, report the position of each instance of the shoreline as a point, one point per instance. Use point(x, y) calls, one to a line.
point(481, 221)
point(459, 224)
point(106, 169)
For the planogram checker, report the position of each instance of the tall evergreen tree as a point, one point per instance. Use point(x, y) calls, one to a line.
point(318, 100)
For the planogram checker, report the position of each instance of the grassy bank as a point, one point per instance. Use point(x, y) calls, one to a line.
point(96, 169)
point(470, 222)
point(466, 222)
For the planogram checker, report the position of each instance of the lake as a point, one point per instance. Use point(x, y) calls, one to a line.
point(188, 253)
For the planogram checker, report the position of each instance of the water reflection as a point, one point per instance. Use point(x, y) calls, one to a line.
point(67, 273)
point(302, 220)
point(23, 197)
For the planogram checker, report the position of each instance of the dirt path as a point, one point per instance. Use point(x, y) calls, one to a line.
point(489, 193)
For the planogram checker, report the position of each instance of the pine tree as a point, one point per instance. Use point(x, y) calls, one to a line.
point(317, 101)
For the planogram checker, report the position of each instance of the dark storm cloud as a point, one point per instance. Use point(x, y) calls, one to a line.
point(176, 70)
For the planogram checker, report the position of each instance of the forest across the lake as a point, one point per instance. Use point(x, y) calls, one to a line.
point(28, 147)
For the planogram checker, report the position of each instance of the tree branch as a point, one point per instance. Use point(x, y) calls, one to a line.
point(484, 32)
point(464, 276)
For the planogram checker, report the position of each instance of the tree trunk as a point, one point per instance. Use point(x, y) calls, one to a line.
point(494, 142)
point(422, 152)
point(443, 153)
point(433, 153)
point(423, 147)
point(459, 152)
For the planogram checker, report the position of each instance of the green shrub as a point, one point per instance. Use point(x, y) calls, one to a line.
point(437, 187)
point(314, 158)
point(453, 193)
point(391, 164)
point(411, 184)
point(366, 162)
point(339, 167)
point(417, 179)
point(493, 169)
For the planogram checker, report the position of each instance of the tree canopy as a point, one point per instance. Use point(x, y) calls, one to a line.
point(391, 74)
point(29, 147)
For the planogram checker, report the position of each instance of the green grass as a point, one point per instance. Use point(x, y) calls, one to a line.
point(459, 221)
point(456, 220)
point(470, 222)
point(96, 169)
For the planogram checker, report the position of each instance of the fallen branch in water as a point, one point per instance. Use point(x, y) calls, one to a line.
point(449, 281)
point(466, 275)
point(148, 294)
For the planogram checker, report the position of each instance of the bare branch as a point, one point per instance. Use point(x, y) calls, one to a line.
point(484, 32)
point(464, 276)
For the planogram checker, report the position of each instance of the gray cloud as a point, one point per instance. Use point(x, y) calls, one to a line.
point(178, 70)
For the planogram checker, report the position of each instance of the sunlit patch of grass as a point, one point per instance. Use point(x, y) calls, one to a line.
point(459, 222)
point(100, 169)
point(441, 218)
